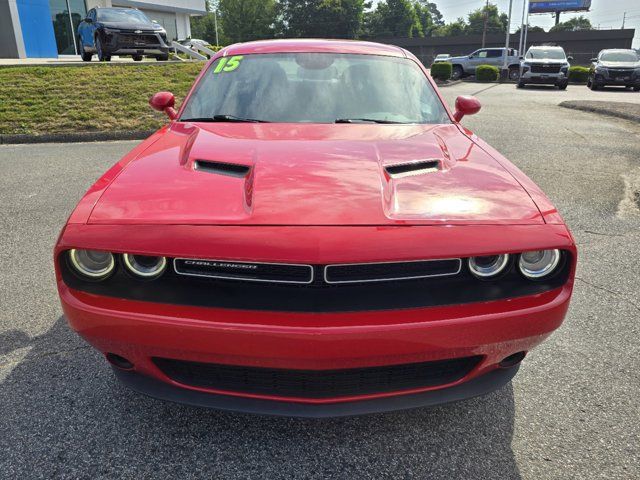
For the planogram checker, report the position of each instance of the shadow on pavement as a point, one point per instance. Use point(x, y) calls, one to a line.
point(64, 415)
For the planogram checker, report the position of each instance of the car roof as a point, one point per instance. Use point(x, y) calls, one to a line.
point(314, 45)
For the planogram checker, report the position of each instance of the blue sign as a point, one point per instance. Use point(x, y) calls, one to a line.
point(546, 6)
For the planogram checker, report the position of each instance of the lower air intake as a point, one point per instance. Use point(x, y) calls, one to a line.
point(316, 383)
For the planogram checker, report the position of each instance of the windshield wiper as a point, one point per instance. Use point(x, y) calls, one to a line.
point(363, 120)
point(223, 118)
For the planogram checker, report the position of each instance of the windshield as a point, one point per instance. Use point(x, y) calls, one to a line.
point(546, 53)
point(619, 57)
point(126, 15)
point(315, 88)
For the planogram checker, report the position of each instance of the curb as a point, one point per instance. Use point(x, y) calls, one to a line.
point(74, 137)
point(609, 110)
point(448, 84)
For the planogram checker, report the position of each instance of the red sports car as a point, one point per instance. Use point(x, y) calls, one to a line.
point(314, 234)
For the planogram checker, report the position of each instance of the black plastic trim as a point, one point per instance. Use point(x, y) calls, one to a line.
point(155, 388)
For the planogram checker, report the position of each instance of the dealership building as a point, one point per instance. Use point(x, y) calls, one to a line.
point(46, 28)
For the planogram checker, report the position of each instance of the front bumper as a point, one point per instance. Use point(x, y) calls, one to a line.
point(142, 331)
point(125, 43)
point(606, 79)
point(544, 78)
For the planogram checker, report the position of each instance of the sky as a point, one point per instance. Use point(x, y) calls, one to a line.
point(604, 13)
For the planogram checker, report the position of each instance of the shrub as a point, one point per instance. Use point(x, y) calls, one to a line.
point(487, 73)
point(578, 74)
point(441, 70)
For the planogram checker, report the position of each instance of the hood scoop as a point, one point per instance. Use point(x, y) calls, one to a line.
point(221, 168)
point(402, 170)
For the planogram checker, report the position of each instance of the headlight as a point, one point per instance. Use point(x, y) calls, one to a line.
point(601, 70)
point(539, 263)
point(110, 31)
point(488, 266)
point(145, 266)
point(92, 263)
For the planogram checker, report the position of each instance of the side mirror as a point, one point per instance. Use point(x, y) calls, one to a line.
point(466, 105)
point(88, 20)
point(164, 102)
point(570, 59)
point(593, 59)
point(520, 57)
point(470, 56)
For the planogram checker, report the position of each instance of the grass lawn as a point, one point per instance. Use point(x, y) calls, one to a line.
point(100, 97)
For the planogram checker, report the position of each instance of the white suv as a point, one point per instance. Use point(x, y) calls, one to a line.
point(545, 65)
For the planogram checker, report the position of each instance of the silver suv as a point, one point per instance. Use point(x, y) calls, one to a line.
point(545, 65)
point(466, 64)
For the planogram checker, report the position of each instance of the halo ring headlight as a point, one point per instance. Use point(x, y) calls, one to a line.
point(144, 266)
point(488, 266)
point(94, 264)
point(538, 263)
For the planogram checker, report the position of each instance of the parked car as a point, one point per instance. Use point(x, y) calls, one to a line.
point(121, 31)
point(319, 244)
point(545, 65)
point(466, 65)
point(615, 67)
point(442, 57)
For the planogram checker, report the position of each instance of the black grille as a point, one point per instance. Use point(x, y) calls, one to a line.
point(317, 383)
point(545, 68)
point(138, 40)
point(257, 272)
point(620, 73)
point(374, 272)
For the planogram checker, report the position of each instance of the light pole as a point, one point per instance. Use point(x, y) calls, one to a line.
point(520, 43)
point(505, 70)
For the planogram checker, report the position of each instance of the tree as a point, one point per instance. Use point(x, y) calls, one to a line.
point(452, 29)
point(437, 17)
point(496, 22)
point(531, 29)
point(424, 17)
point(393, 18)
point(320, 18)
point(204, 27)
point(572, 25)
point(244, 20)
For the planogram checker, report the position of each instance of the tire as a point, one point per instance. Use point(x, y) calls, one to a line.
point(137, 58)
point(514, 74)
point(102, 55)
point(456, 72)
point(86, 57)
point(520, 85)
point(162, 58)
point(591, 84)
point(636, 89)
point(562, 86)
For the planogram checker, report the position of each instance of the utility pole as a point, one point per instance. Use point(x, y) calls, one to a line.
point(505, 71)
point(484, 28)
point(624, 17)
point(520, 43)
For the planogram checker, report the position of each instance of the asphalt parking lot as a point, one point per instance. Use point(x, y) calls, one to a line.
point(573, 411)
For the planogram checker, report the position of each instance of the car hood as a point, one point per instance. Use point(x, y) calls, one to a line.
point(619, 64)
point(144, 26)
point(549, 61)
point(296, 174)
